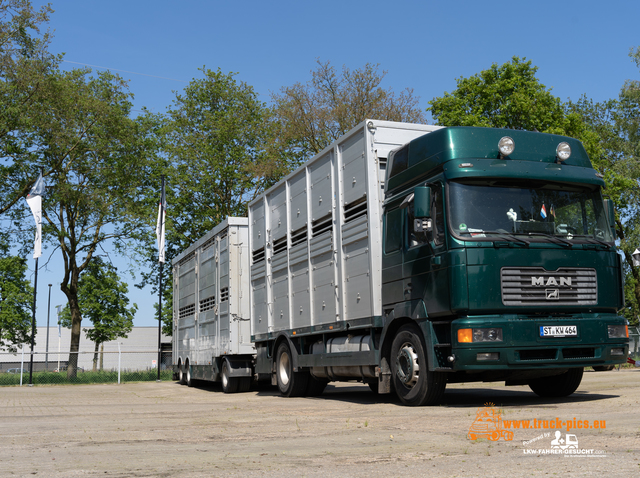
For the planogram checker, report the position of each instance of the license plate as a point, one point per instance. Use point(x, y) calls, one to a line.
point(559, 331)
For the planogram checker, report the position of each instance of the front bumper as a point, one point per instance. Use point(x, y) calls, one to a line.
point(523, 348)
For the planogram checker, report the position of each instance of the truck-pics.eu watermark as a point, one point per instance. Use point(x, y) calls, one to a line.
point(555, 438)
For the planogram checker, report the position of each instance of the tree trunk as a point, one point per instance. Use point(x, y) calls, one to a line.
point(95, 357)
point(71, 291)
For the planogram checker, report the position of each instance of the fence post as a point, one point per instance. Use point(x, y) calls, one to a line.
point(119, 356)
point(21, 365)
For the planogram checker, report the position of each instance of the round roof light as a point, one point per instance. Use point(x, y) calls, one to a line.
point(506, 145)
point(563, 151)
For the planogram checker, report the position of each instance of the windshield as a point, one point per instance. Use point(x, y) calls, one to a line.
point(531, 208)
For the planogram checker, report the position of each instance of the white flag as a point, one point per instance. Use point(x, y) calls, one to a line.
point(34, 200)
point(160, 226)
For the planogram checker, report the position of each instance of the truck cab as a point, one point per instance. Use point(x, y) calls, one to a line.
point(499, 246)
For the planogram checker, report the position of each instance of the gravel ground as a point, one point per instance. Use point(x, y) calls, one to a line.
point(165, 429)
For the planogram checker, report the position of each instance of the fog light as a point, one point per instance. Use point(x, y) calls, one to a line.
point(618, 331)
point(488, 356)
point(617, 351)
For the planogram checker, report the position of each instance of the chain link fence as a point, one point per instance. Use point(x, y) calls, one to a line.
point(83, 367)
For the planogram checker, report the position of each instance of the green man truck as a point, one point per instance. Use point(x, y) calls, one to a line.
point(408, 257)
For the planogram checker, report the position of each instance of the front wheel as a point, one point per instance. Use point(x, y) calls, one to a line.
point(556, 386)
point(290, 383)
point(415, 385)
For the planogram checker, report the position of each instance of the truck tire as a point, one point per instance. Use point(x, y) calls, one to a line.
point(558, 385)
point(180, 373)
point(244, 384)
point(187, 374)
point(290, 383)
point(229, 384)
point(414, 384)
point(315, 387)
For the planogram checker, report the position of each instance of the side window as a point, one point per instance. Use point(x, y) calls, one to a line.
point(393, 231)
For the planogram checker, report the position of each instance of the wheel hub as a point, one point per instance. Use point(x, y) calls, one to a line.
point(407, 365)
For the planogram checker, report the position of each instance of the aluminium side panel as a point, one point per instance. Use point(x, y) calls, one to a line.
point(315, 237)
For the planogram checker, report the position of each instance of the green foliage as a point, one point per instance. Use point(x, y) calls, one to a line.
point(212, 147)
point(310, 116)
point(616, 124)
point(102, 297)
point(16, 299)
point(510, 96)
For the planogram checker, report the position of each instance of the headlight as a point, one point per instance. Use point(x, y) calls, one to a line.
point(506, 145)
point(618, 331)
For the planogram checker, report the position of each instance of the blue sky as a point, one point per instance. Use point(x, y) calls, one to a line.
point(580, 47)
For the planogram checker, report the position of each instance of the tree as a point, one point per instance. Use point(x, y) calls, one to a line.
point(313, 115)
point(510, 96)
point(16, 298)
point(616, 123)
point(25, 64)
point(94, 167)
point(102, 297)
point(212, 147)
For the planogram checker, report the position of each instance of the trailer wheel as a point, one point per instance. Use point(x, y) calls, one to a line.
point(229, 384)
point(187, 373)
point(415, 385)
point(561, 385)
point(290, 383)
point(244, 384)
point(180, 373)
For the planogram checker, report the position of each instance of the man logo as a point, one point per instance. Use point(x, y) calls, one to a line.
point(551, 282)
point(552, 294)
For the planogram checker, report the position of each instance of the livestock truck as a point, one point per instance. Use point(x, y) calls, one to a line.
point(407, 257)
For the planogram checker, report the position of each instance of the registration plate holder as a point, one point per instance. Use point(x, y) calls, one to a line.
point(558, 331)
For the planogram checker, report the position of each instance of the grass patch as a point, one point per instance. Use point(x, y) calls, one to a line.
point(111, 376)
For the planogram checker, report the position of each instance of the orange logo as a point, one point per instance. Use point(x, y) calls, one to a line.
point(488, 424)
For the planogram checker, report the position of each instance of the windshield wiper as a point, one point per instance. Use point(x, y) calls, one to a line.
point(556, 239)
point(502, 235)
point(593, 240)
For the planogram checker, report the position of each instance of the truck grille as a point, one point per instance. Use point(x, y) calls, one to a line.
point(523, 286)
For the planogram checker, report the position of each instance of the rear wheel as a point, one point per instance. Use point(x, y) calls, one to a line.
point(229, 384)
point(290, 383)
point(558, 385)
point(415, 385)
point(315, 387)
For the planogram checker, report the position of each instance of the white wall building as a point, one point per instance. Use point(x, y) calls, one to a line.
point(139, 351)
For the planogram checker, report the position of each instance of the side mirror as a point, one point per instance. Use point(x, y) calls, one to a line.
point(422, 202)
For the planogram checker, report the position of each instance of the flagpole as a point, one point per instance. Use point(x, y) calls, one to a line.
point(34, 200)
point(161, 259)
point(33, 324)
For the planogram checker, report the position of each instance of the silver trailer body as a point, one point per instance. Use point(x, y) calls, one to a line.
point(315, 237)
point(211, 304)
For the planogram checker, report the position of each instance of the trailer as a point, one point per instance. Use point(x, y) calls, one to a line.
point(211, 328)
point(411, 256)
